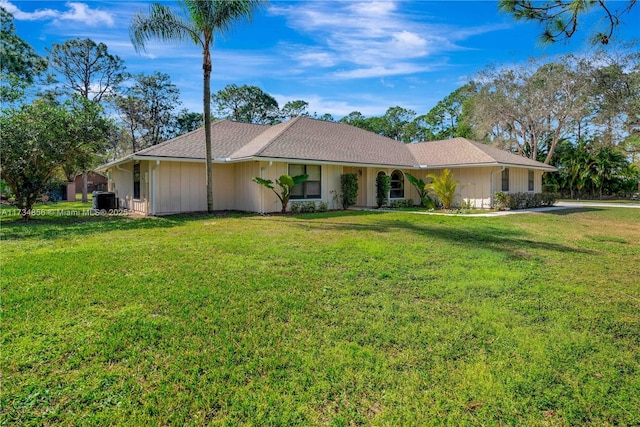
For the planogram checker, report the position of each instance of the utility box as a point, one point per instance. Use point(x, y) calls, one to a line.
point(106, 200)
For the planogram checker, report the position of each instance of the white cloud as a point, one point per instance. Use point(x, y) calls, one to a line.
point(80, 12)
point(27, 16)
point(382, 71)
point(337, 108)
point(367, 104)
point(320, 59)
point(368, 39)
point(76, 12)
point(406, 40)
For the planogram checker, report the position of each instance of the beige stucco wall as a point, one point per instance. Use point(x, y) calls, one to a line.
point(181, 186)
point(474, 184)
point(479, 185)
point(246, 192)
point(269, 202)
point(121, 182)
point(519, 181)
point(409, 190)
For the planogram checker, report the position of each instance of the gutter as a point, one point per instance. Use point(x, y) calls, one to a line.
point(491, 186)
point(153, 187)
point(314, 162)
point(546, 168)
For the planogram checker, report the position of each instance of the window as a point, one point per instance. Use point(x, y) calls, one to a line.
point(505, 179)
point(531, 181)
point(136, 181)
point(310, 189)
point(397, 185)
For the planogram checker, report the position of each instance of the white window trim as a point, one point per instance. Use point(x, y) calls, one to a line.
point(315, 199)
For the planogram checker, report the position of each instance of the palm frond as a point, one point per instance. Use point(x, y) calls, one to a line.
point(218, 16)
point(161, 23)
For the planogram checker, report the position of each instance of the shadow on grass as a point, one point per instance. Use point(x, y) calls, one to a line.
point(571, 211)
point(512, 242)
point(54, 227)
point(473, 232)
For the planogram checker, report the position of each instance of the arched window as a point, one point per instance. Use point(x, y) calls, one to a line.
point(397, 185)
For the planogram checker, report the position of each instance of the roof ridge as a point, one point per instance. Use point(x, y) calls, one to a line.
point(475, 145)
point(262, 145)
point(492, 147)
point(286, 126)
point(171, 140)
point(440, 140)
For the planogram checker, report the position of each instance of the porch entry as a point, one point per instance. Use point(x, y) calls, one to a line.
point(361, 173)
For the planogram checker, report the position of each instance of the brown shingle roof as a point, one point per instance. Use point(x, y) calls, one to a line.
point(314, 140)
point(226, 138)
point(317, 140)
point(463, 152)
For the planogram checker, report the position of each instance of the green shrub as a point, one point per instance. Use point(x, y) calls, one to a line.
point(549, 198)
point(383, 184)
point(349, 188)
point(308, 207)
point(501, 200)
point(54, 190)
point(467, 205)
point(518, 200)
point(401, 203)
point(420, 187)
point(305, 207)
point(295, 207)
point(524, 200)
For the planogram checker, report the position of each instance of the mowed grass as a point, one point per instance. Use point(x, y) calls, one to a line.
point(354, 318)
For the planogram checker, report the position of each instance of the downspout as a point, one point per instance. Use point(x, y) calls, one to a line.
point(153, 187)
point(491, 186)
point(262, 191)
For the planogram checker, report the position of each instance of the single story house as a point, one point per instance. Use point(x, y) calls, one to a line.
point(171, 177)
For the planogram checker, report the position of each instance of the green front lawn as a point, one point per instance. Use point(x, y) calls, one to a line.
point(358, 318)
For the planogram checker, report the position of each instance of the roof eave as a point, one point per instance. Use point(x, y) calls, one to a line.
point(542, 166)
point(115, 163)
point(321, 162)
point(223, 160)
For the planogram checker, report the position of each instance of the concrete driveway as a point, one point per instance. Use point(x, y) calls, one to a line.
point(557, 207)
point(595, 204)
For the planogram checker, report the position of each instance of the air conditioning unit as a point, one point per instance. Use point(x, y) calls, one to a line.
point(105, 200)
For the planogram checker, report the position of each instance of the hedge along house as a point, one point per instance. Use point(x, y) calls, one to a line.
point(171, 177)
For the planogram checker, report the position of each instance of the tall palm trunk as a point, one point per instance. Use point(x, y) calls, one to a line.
point(206, 101)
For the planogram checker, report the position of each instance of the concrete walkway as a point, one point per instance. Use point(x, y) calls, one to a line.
point(557, 207)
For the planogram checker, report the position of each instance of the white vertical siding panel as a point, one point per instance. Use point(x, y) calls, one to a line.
point(198, 188)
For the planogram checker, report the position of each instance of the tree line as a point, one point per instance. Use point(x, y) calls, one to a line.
point(579, 113)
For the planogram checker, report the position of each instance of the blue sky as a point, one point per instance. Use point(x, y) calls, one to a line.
point(340, 56)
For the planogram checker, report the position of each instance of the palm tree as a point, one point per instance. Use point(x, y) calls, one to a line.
point(200, 21)
point(423, 193)
point(607, 163)
point(443, 186)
